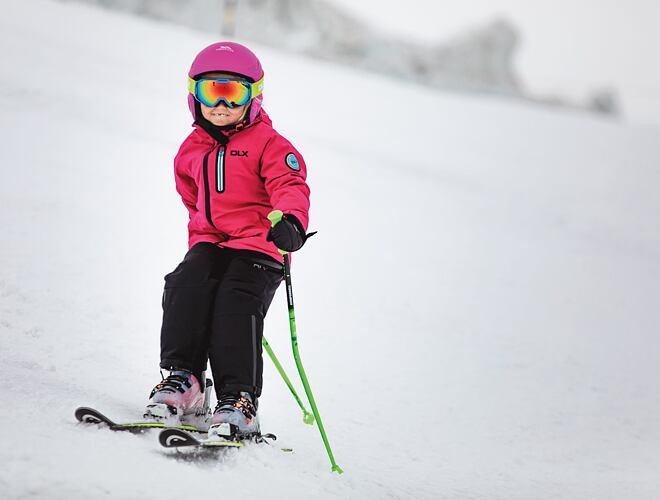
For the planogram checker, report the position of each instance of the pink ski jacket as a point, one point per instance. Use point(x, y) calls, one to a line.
point(229, 190)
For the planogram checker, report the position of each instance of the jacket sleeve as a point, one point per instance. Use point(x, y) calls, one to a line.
point(185, 184)
point(284, 172)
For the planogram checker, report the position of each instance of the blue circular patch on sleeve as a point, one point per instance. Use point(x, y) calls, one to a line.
point(292, 161)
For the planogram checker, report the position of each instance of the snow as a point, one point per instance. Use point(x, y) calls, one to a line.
point(477, 315)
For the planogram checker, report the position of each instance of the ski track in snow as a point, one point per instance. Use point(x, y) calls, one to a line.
point(478, 314)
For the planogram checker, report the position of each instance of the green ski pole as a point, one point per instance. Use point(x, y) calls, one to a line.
point(275, 217)
point(308, 418)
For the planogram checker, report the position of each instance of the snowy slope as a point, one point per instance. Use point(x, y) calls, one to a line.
point(478, 314)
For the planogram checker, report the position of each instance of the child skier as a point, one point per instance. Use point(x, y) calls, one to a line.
point(231, 172)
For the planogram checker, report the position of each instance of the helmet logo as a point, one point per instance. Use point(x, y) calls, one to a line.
point(225, 47)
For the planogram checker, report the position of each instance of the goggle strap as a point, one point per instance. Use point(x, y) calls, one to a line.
point(256, 88)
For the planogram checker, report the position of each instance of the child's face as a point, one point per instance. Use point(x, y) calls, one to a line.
point(223, 115)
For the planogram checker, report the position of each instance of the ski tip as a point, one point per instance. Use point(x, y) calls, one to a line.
point(89, 415)
point(174, 438)
point(80, 413)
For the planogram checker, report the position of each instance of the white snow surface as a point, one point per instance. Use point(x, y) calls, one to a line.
point(478, 314)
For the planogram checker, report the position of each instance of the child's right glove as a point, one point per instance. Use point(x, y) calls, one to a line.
point(288, 234)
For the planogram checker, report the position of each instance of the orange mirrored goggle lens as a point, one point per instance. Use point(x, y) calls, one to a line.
point(211, 91)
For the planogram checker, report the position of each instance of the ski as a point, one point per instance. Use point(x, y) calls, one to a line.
point(178, 438)
point(88, 415)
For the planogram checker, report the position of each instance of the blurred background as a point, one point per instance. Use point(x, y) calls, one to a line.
point(478, 314)
point(594, 55)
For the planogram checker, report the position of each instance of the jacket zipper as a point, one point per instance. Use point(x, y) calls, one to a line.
point(220, 170)
point(207, 190)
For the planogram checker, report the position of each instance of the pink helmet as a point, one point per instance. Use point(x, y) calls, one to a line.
point(228, 57)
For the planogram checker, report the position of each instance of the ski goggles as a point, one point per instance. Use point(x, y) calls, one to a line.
point(232, 91)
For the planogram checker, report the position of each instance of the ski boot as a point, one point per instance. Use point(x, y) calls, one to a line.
point(177, 397)
point(235, 418)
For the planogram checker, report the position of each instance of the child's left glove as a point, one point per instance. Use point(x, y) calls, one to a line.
point(288, 234)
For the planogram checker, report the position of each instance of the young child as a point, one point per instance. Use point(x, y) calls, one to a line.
point(231, 172)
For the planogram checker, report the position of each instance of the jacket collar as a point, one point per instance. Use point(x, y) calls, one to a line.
point(222, 136)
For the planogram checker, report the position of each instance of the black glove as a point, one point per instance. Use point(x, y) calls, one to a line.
point(288, 234)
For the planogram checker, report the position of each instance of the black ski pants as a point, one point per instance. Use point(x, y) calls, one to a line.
point(214, 305)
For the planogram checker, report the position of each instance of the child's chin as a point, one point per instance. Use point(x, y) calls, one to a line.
point(221, 123)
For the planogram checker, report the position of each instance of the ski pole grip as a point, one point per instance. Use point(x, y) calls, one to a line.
point(274, 217)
